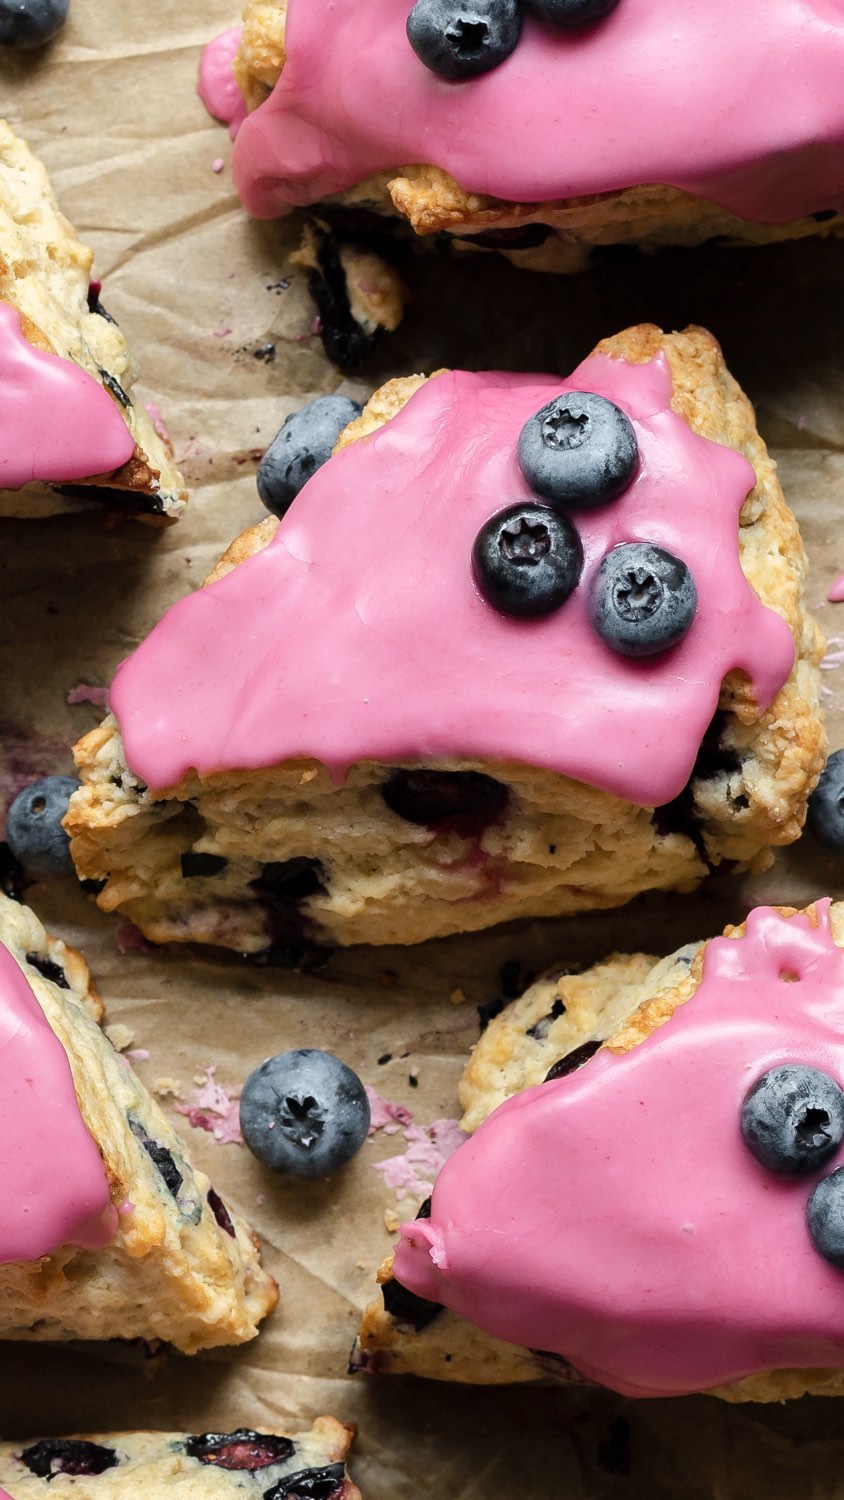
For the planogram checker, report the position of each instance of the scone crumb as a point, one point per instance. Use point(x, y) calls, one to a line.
point(165, 1088)
point(120, 1036)
point(457, 997)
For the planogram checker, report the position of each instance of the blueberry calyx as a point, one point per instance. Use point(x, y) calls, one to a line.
point(461, 38)
point(792, 1119)
point(826, 804)
point(302, 445)
point(27, 24)
point(67, 1456)
point(579, 451)
point(34, 825)
point(643, 599)
point(571, 14)
point(304, 1113)
point(242, 1449)
point(825, 1218)
point(527, 560)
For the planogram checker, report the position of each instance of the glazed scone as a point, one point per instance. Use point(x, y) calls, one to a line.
point(108, 1231)
point(340, 740)
point(307, 1465)
point(658, 157)
point(710, 1272)
point(76, 436)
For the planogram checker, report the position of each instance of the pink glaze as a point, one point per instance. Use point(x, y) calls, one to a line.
point(739, 103)
point(56, 422)
point(54, 1188)
point(359, 634)
point(616, 1218)
point(836, 590)
point(217, 87)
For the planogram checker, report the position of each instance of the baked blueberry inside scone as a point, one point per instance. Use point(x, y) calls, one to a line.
point(433, 696)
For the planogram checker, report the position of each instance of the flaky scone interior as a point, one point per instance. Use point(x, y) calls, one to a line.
point(553, 1030)
point(45, 276)
point(551, 235)
point(269, 861)
point(179, 1265)
point(242, 1463)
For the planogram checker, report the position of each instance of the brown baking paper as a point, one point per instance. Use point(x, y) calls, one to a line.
point(112, 109)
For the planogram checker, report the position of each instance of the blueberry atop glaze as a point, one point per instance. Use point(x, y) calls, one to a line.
point(643, 599)
point(67, 1456)
point(825, 1218)
point(792, 1119)
point(241, 1449)
point(826, 804)
point(527, 560)
point(579, 451)
point(309, 1484)
point(304, 1113)
point(571, 14)
point(462, 38)
point(34, 825)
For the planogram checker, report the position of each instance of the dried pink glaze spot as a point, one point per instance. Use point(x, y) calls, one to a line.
point(85, 692)
point(359, 634)
point(154, 411)
point(55, 1190)
point(217, 87)
point(836, 590)
point(428, 1149)
point(56, 422)
point(616, 1218)
point(214, 1108)
point(383, 1114)
point(630, 100)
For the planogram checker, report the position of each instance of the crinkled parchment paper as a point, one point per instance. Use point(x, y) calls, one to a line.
point(112, 109)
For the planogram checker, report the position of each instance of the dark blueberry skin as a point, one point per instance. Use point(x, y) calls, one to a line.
point(26, 24)
point(825, 1218)
point(459, 39)
point(304, 1113)
point(826, 804)
point(67, 1456)
point(34, 825)
point(309, 1484)
point(579, 451)
point(527, 560)
point(572, 1061)
point(242, 1449)
point(792, 1120)
point(643, 599)
point(571, 14)
point(461, 802)
point(300, 447)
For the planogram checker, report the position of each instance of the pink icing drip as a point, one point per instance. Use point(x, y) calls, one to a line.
point(836, 590)
point(741, 104)
point(56, 422)
point(217, 86)
point(615, 1217)
point(55, 1190)
point(358, 633)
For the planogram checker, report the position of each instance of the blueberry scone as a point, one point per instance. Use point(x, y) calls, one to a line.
point(523, 646)
point(653, 1196)
point(632, 134)
point(71, 431)
point(243, 1465)
point(107, 1231)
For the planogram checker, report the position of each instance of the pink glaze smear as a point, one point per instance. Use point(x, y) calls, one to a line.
point(836, 590)
point(56, 422)
point(616, 1218)
point(359, 634)
point(740, 104)
point(217, 87)
point(55, 1190)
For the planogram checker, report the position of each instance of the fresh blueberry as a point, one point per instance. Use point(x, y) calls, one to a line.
point(34, 825)
point(54, 1456)
point(527, 559)
point(25, 24)
point(792, 1120)
point(826, 804)
point(571, 14)
point(825, 1217)
point(643, 599)
point(461, 38)
point(304, 1113)
point(300, 447)
point(579, 451)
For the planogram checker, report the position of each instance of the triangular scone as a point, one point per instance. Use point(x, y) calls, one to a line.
point(90, 1161)
point(396, 141)
point(769, 993)
point(373, 740)
point(242, 1465)
point(75, 435)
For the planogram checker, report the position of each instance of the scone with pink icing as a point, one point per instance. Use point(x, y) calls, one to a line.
point(431, 698)
point(71, 433)
point(540, 126)
point(653, 1196)
point(237, 1465)
point(107, 1231)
